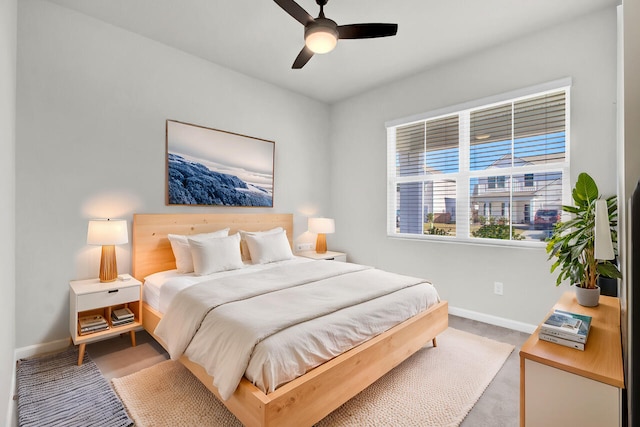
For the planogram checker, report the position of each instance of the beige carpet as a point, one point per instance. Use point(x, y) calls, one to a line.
point(435, 387)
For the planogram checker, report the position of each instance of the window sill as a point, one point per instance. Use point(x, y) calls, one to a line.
point(471, 241)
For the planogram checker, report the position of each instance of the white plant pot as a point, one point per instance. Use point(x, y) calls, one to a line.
point(588, 297)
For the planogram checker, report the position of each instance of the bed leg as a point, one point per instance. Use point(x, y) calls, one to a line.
point(435, 344)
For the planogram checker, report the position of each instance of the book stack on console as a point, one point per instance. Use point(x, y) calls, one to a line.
point(91, 324)
point(121, 316)
point(566, 328)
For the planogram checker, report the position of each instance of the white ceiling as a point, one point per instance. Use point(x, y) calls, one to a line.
point(259, 39)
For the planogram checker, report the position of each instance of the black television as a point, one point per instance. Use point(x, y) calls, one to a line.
point(631, 317)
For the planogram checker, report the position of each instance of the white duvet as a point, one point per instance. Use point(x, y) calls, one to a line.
point(273, 325)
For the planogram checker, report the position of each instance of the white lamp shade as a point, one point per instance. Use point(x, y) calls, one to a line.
point(107, 232)
point(603, 246)
point(322, 225)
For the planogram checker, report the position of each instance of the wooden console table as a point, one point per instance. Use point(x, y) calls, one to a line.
point(564, 386)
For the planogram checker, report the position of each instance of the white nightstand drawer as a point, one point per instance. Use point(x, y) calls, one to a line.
point(108, 298)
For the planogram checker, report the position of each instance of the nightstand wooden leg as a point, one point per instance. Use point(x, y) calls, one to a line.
point(81, 348)
point(435, 344)
point(133, 338)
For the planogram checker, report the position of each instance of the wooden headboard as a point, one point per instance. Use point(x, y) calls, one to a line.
point(152, 250)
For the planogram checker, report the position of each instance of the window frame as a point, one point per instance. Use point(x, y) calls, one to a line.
point(464, 174)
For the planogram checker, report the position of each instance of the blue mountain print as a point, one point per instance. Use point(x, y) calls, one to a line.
point(191, 183)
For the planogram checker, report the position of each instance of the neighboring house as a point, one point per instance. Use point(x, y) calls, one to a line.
point(441, 202)
point(530, 192)
point(432, 197)
point(491, 196)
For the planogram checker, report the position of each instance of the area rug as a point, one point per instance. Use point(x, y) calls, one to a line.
point(435, 387)
point(54, 391)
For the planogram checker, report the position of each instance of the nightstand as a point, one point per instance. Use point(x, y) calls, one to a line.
point(91, 297)
point(564, 386)
point(329, 255)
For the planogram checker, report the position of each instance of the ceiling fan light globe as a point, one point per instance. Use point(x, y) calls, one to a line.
point(321, 39)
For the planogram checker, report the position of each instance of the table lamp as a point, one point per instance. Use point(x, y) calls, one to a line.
point(603, 244)
point(107, 233)
point(322, 227)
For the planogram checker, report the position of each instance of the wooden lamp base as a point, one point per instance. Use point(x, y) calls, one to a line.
point(321, 243)
point(108, 267)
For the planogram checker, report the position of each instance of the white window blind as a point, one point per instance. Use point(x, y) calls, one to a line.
point(489, 172)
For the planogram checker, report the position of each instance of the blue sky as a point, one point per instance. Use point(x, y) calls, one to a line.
point(485, 154)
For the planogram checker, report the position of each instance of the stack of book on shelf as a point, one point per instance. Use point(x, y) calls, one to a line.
point(121, 316)
point(566, 328)
point(91, 324)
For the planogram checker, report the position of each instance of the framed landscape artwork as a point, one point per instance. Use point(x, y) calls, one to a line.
point(212, 167)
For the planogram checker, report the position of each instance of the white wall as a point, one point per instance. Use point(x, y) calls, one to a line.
point(91, 111)
point(8, 28)
point(464, 274)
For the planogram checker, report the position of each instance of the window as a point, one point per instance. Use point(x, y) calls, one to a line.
point(479, 172)
point(496, 181)
point(528, 180)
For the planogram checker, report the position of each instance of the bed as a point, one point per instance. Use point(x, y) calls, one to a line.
point(309, 398)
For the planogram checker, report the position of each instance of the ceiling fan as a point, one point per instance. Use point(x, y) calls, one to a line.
point(321, 34)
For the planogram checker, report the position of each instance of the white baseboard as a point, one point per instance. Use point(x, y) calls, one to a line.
point(10, 409)
point(34, 350)
point(493, 320)
point(12, 416)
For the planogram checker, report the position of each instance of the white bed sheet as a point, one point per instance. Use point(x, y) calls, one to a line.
point(160, 288)
point(288, 354)
point(292, 352)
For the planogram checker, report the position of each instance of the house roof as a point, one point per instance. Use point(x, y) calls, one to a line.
point(524, 160)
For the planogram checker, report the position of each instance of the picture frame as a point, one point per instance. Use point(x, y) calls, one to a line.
point(211, 167)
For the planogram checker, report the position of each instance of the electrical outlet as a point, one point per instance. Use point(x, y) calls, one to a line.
point(498, 288)
point(304, 246)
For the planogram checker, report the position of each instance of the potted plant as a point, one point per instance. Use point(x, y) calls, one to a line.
point(572, 242)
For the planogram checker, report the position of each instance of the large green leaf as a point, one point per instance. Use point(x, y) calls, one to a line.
point(570, 209)
point(608, 269)
point(585, 190)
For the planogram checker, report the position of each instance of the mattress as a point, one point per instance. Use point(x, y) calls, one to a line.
point(286, 352)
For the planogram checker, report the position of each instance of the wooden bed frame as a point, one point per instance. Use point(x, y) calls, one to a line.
point(311, 397)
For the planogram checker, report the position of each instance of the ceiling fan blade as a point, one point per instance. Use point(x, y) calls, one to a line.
point(303, 57)
point(365, 31)
point(295, 10)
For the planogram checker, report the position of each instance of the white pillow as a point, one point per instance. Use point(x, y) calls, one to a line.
point(269, 247)
point(244, 250)
point(216, 254)
point(182, 251)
